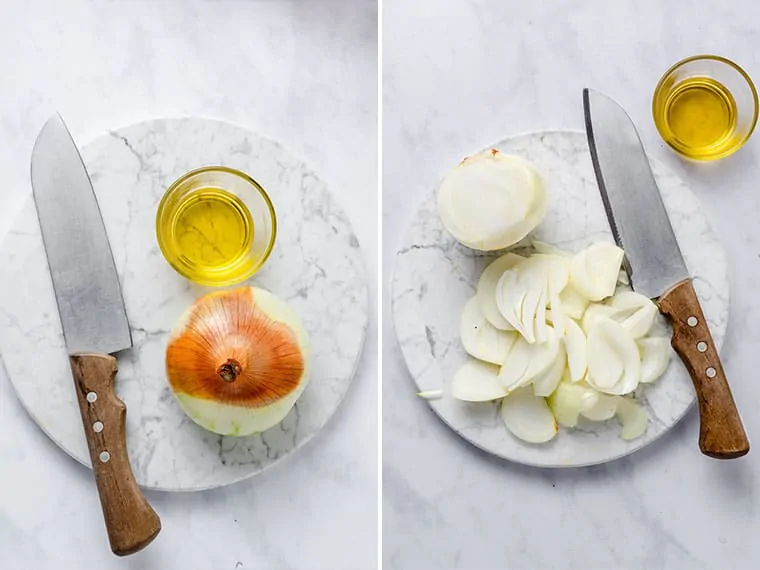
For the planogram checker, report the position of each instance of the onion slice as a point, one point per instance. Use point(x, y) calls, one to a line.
point(480, 338)
point(569, 400)
point(594, 272)
point(487, 289)
point(614, 366)
point(604, 409)
point(633, 419)
point(528, 417)
point(477, 381)
point(526, 362)
point(655, 357)
point(577, 353)
point(546, 382)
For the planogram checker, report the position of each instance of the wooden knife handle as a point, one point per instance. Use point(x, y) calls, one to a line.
point(721, 433)
point(131, 522)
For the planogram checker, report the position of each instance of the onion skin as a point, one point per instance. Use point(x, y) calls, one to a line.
point(235, 357)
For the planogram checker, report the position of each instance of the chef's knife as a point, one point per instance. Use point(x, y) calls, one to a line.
point(94, 322)
point(656, 268)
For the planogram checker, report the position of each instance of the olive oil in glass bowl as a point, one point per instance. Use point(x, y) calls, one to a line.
point(705, 107)
point(216, 226)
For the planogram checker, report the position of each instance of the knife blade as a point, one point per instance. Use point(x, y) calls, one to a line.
point(94, 323)
point(641, 227)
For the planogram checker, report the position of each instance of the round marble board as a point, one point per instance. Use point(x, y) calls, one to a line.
point(316, 266)
point(435, 275)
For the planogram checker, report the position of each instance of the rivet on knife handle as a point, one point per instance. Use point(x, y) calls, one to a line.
point(721, 433)
point(131, 522)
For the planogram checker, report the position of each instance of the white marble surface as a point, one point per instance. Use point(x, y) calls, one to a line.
point(300, 72)
point(433, 270)
point(457, 79)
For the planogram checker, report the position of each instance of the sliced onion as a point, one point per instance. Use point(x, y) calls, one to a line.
point(510, 297)
point(577, 356)
point(594, 272)
point(526, 361)
point(543, 247)
point(546, 382)
point(655, 357)
point(480, 338)
point(523, 292)
point(535, 295)
point(573, 303)
point(604, 409)
point(594, 314)
point(487, 289)
point(628, 302)
point(431, 394)
point(528, 417)
point(569, 400)
point(540, 328)
point(639, 323)
point(613, 359)
point(477, 381)
point(633, 419)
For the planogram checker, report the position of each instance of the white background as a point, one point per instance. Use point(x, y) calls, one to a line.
point(302, 72)
point(459, 76)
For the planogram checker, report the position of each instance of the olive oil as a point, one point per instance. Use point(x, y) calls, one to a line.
point(699, 118)
point(212, 233)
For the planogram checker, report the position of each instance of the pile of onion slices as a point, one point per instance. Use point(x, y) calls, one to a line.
point(559, 338)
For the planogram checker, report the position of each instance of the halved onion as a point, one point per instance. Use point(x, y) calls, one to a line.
point(491, 200)
point(487, 289)
point(477, 381)
point(594, 272)
point(569, 400)
point(528, 417)
point(633, 419)
point(480, 338)
point(613, 359)
point(655, 357)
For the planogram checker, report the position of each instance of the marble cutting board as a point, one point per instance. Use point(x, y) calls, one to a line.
point(316, 266)
point(435, 275)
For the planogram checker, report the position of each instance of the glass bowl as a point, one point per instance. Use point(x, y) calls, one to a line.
point(705, 107)
point(216, 226)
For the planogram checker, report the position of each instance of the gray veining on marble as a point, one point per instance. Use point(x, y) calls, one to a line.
point(316, 266)
point(435, 276)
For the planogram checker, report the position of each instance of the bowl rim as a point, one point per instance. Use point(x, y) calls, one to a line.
point(730, 63)
point(160, 210)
